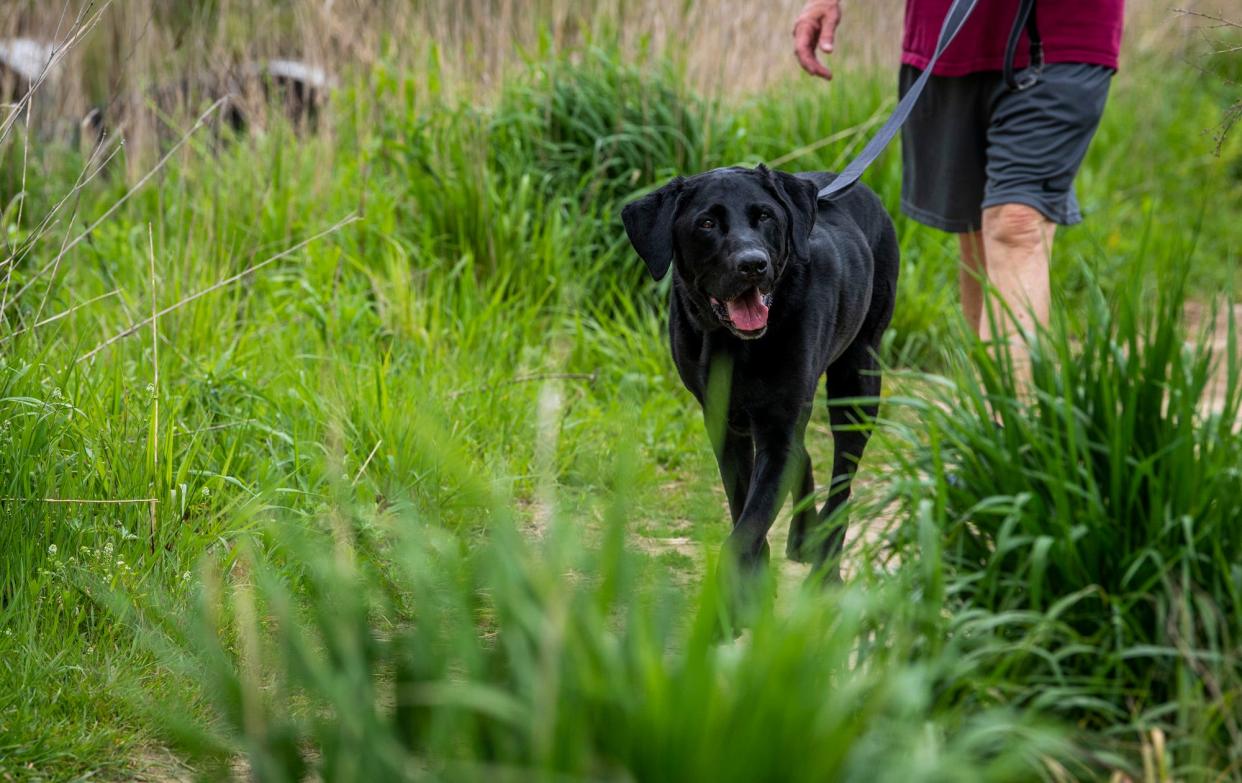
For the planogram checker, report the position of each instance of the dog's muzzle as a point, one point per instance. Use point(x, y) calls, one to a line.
point(746, 314)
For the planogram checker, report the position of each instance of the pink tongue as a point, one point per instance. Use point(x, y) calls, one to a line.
point(748, 312)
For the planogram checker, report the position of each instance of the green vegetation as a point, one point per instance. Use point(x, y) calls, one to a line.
point(430, 501)
point(1106, 510)
point(520, 660)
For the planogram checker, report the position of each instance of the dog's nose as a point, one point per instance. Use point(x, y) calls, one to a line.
point(753, 263)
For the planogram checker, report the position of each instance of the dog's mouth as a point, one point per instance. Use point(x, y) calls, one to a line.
point(746, 315)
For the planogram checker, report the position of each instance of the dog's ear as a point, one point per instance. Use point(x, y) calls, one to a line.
point(649, 225)
point(800, 198)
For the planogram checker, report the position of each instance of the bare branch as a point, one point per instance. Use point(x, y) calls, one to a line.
point(1221, 21)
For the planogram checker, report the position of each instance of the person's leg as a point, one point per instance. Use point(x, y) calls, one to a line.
point(1017, 243)
point(1036, 141)
point(944, 168)
point(1019, 238)
point(970, 276)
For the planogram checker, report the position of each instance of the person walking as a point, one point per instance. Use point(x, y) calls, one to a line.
point(993, 164)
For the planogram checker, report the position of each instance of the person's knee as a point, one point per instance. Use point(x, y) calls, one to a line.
point(1015, 226)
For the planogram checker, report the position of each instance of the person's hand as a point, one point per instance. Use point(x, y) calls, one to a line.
point(815, 28)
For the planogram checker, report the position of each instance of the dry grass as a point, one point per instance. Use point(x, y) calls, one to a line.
point(176, 54)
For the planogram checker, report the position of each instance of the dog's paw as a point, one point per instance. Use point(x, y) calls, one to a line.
point(746, 589)
point(797, 551)
point(825, 574)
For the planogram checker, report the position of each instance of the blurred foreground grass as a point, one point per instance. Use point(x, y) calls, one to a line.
point(380, 389)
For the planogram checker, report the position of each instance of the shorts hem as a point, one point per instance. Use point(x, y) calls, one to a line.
point(1057, 214)
point(938, 221)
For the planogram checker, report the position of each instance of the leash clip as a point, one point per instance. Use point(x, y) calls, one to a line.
point(1024, 22)
point(1030, 75)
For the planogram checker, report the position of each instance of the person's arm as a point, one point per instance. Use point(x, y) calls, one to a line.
point(816, 26)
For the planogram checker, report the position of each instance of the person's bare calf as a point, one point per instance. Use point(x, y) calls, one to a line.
point(970, 276)
point(1012, 253)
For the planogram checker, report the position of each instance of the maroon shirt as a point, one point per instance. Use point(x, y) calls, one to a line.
point(1073, 31)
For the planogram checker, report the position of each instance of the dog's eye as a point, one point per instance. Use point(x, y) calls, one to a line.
point(707, 224)
point(765, 215)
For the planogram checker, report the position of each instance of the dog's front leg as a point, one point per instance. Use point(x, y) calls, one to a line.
point(778, 464)
point(735, 455)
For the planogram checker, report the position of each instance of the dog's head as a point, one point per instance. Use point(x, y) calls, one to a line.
point(731, 233)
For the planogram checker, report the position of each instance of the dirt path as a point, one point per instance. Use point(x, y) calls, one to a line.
point(1197, 317)
point(152, 763)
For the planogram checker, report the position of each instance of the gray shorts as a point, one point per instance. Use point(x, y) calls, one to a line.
point(972, 143)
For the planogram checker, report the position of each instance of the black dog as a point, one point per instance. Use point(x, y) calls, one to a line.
point(771, 290)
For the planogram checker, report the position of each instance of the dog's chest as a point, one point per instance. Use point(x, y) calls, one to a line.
point(774, 372)
point(761, 379)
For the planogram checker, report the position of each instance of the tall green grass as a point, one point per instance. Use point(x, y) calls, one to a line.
point(1107, 502)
